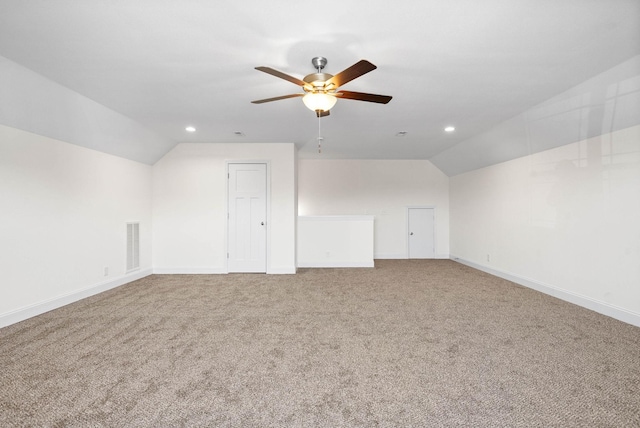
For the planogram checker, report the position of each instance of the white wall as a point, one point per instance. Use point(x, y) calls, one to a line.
point(63, 219)
point(565, 221)
point(190, 207)
point(383, 188)
point(335, 241)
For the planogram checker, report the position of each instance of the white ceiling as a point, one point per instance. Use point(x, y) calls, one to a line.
point(468, 63)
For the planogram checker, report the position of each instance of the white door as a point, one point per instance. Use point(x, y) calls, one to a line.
point(421, 222)
point(247, 248)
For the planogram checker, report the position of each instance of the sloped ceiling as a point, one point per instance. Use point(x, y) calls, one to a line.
point(476, 65)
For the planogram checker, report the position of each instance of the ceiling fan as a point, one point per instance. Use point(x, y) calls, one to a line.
point(320, 90)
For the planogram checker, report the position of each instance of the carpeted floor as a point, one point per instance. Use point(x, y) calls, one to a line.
point(409, 343)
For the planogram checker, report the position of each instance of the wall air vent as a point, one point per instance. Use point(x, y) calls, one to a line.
point(133, 246)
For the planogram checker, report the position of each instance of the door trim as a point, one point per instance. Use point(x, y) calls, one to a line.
point(268, 208)
point(435, 228)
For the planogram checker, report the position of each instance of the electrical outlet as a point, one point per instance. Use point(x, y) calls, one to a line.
point(488, 257)
point(106, 271)
point(328, 254)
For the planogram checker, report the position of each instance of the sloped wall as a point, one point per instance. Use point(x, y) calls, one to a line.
point(564, 221)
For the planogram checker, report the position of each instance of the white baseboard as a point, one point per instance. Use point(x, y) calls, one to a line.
point(405, 256)
point(39, 308)
point(190, 271)
point(390, 256)
point(603, 308)
point(365, 264)
point(281, 271)
point(215, 271)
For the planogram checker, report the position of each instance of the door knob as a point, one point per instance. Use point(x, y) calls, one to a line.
point(262, 223)
point(411, 233)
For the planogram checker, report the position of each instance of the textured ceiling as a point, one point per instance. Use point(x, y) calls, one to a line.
point(472, 64)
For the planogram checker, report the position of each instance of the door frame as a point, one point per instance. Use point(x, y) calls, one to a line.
point(268, 208)
point(435, 227)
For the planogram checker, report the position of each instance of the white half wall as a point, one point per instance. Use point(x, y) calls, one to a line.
point(335, 241)
point(565, 220)
point(63, 221)
point(382, 188)
point(190, 206)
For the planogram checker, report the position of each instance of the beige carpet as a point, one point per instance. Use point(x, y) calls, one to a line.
point(409, 343)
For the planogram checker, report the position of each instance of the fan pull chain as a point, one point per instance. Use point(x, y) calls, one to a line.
point(319, 137)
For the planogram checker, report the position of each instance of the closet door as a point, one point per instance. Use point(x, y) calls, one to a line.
point(421, 227)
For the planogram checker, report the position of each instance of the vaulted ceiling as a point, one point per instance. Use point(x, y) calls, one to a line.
point(472, 64)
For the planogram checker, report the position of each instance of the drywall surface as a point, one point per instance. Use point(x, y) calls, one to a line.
point(63, 221)
point(382, 188)
point(565, 219)
point(335, 241)
point(33, 103)
point(190, 206)
point(603, 104)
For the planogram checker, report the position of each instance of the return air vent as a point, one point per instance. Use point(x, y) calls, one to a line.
point(133, 246)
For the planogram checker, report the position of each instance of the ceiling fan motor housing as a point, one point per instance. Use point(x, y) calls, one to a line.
point(317, 80)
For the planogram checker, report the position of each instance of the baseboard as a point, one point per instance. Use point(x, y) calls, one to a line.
point(405, 256)
point(215, 271)
point(190, 271)
point(39, 308)
point(390, 256)
point(603, 308)
point(366, 264)
point(281, 271)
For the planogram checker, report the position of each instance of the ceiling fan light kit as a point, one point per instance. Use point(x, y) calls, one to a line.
point(319, 101)
point(320, 90)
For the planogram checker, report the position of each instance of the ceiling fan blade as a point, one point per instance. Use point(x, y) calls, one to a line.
point(320, 113)
point(356, 70)
point(283, 97)
point(282, 75)
point(360, 96)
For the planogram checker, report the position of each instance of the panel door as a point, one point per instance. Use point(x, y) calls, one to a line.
point(421, 222)
point(247, 246)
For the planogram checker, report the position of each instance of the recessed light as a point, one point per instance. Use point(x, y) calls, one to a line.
point(402, 134)
point(190, 129)
point(449, 129)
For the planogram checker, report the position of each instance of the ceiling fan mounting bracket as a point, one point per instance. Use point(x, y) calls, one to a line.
point(319, 62)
